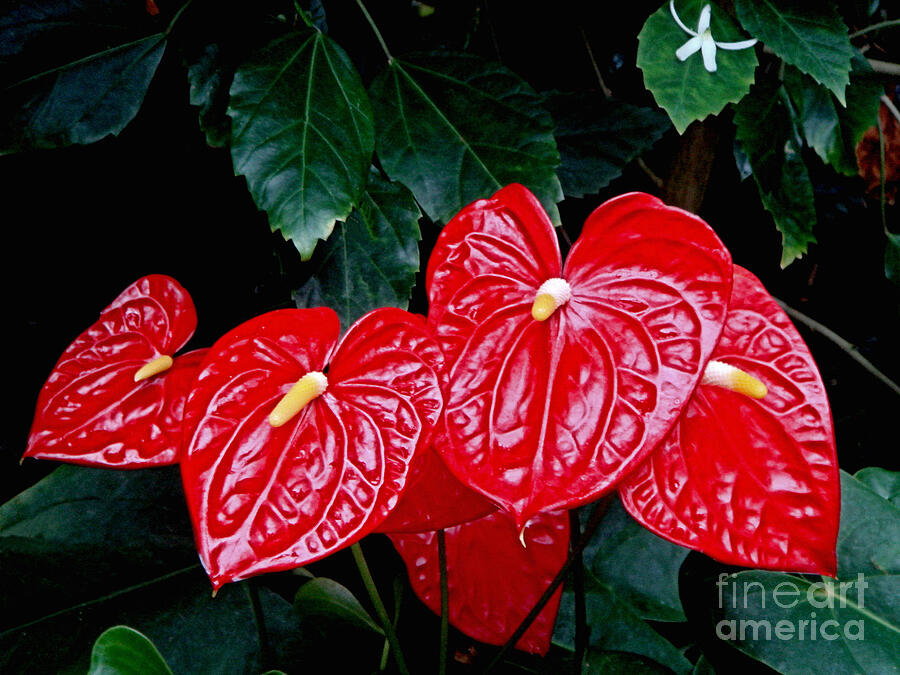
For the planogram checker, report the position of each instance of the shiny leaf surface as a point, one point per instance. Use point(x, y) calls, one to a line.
point(371, 260)
point(749, 482)
point(91, 411)
point(302, 134)
point(121, 650)
point(598, 137)
point(810, 36)
point(82, 101)
point(266, 498)
point(768, 133)
point(322, 598)
point(685, 89)
point(546, 415)
point(455, 128)
point(493, 580)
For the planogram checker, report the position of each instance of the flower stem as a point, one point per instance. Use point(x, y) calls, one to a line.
point(375, 30)
point(383, 617)
point(590, 528)
point(851, 349)
point(874, 27)
point(445, 601)
point(581, 630)
point(265, 649)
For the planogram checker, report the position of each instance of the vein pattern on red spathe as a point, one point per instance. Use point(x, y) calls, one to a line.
point(749, 482)
point(265, 498)
point(547, 415)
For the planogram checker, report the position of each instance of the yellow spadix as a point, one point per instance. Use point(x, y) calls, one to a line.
point(304, 390)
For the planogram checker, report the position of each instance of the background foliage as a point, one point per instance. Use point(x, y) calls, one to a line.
point(220, 143)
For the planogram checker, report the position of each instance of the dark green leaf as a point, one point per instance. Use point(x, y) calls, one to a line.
point(884, 483)
point(810, 36)
point(768, 134)
point(892, 257)
point(703, 667)
point(857, 616)
point(325, 598)
point(371, 260)
point(832, 130)
point(598, 137)
point(315, 12)
point(639, 566)
point(619, 663)
point(302, 134)
point(686, 90)
point(615, 626)
point(124, 651)
point(80, 102)
point(210, 78)
point(454, 128)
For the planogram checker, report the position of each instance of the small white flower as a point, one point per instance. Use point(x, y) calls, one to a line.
point(702, 39)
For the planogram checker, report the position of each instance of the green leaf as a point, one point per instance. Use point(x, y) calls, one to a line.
point(686, 90)
point(857, 616)
point(121, 650)
point(210, 78)
point(79, 102)
point(371, 260)
point(597, 138)
point(768, 135)
point(639, 566)
point(832, 130)
point(619, 663)
point(703, 667)
point(455, 128)
point(615, 626)
point(884, 483)
point(325, 598)
point(892, 256)
point(810, 36)
point(302, 134)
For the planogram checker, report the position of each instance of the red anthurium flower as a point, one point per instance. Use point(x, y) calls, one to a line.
point(563, 377)
point(434, 500)
point(297, 446)
point(493, 581)
point(116, 395)
point(749, 481)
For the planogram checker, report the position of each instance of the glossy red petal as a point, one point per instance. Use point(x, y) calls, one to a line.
point(266, 498)
point(548, 415)
point(493, 580)
point(434, 499)
point(508, 235)
point(749, 482)
point(91, 411)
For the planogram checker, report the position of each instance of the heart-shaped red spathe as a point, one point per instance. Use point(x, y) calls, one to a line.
point(542, 415)
point(91, 411)
point(749, 482)
point(493, 581)
point(434, 499)
point(266, 498)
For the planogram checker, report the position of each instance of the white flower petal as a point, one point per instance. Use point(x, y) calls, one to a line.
point(708, 49)
point(688, 48)
point(678, 20)
point(703, 24)
point(743, 44)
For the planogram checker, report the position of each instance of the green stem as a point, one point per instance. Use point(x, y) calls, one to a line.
point(851, 349)
point(375, 30)
point(445, 601)
point(874, 27)
point(265, 649)
point(177, 16)
point(581, 633)
point(302, 15)
point(383, 617)
point(590, 528)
